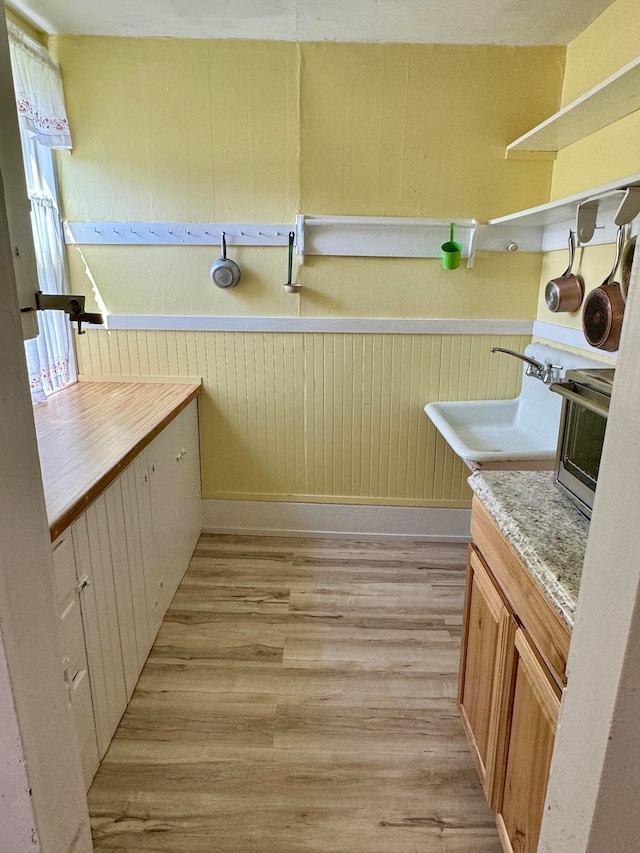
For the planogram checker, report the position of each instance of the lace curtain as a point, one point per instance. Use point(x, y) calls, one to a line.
point(39, 94)
point(43, 126)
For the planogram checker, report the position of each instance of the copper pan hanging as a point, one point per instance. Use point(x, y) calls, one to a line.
point(603, 309)
point(565, 292)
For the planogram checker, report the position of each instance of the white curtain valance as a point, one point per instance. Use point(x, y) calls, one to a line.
point(39, 93)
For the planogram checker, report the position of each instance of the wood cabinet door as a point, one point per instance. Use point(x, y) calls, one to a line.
point(485, 671)
point(530, 737)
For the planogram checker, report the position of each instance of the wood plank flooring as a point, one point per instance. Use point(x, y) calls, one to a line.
point(300, 698)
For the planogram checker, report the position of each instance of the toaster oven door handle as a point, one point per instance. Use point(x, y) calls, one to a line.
point(567, 390)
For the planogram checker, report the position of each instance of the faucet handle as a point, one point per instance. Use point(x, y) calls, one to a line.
point(552, 373)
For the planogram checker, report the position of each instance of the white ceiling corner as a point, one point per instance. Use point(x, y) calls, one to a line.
point(506, 22)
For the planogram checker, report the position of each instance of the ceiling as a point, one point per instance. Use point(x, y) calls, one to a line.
point(512, 22)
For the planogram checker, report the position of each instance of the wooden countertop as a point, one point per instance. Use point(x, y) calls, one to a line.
point(88, 433)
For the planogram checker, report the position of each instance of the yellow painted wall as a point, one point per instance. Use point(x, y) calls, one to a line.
point(607, 45)
point(320, 417)
point(258, 131)
point(612, 41)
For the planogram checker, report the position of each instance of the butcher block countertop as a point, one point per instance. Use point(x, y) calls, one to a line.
point(89, 433)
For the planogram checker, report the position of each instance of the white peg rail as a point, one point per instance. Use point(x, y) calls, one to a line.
point(176, 233)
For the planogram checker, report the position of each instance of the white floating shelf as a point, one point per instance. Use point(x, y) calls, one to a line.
point(546, 227)
point(382, 236)
point(614, 98)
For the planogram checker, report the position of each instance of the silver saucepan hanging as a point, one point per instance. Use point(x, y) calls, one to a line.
point(224, 272)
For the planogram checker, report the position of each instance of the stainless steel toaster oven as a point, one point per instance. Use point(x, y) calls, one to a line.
point(583, 423)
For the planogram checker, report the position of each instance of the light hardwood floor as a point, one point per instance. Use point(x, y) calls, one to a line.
point(300, 696)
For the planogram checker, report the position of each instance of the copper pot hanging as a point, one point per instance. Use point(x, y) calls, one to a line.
point(565, 293)
point(604, 308)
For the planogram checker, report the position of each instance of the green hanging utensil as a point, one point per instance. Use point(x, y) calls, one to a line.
point(451, 252)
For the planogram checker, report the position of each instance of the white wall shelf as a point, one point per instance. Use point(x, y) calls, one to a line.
point(382, 236)
point(538, 229)
point(347, 236)
point(614, 98)
point(546, 227)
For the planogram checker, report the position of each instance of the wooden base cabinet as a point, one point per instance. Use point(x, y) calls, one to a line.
point(533, 718)
point(510, 685)
point(487, 662)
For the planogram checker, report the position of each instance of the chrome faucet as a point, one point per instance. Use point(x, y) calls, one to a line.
point(544, 372)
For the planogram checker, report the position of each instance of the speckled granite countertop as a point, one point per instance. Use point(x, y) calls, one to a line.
point(544, 529)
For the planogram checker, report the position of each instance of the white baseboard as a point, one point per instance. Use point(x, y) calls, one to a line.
point(285, 518)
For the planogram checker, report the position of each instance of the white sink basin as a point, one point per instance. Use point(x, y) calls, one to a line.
point(517, 433)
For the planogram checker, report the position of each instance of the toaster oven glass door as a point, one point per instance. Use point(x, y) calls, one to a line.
point(584, 420)
point(582, 446)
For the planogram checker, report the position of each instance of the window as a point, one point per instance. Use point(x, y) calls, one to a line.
point(43, 127)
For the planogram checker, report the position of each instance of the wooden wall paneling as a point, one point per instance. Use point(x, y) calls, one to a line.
point(334, 417)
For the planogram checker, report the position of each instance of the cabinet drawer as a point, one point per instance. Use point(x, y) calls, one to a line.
point(548, 632)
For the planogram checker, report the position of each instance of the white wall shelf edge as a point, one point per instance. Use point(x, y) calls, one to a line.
point(548, 224)
point(382, 236)
point(338, 325)
point(610, 100)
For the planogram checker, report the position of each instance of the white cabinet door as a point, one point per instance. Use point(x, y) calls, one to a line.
point(136, 503)
point(174, 470)
point(190, 476)
point(141, 496)
point(74, 661)
point(128, 574)
point(92, 546)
